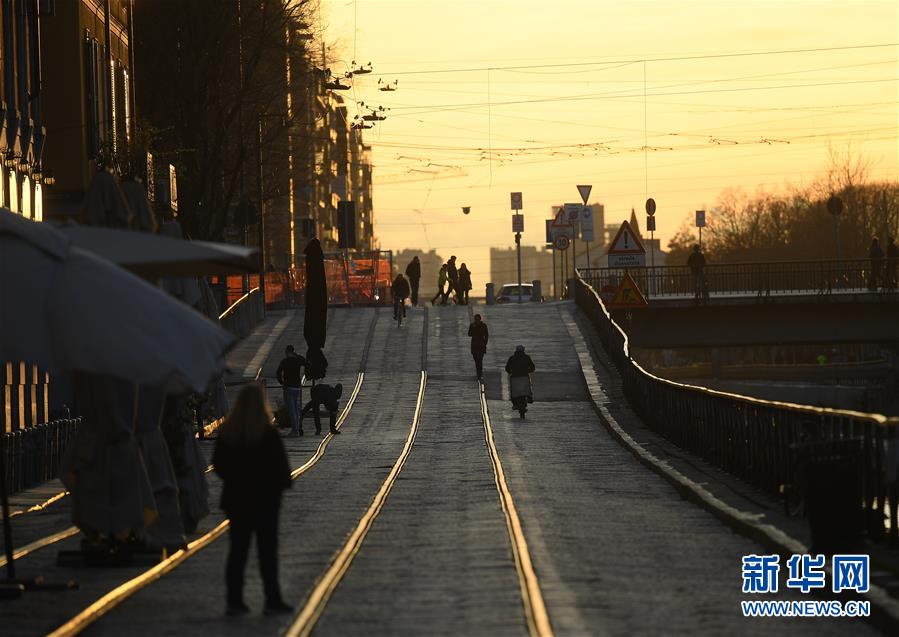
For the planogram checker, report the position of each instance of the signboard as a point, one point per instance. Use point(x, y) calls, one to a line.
point(650, 223)
point(561, 242)
point(626, 250)
point(561, 227)
point(346, 225)
point(516, 201)
point(585, 192)
point(151, 179)
point(628, 294)
point(700, 218)
point(587, 224)
point(650, 206)
point(517, 223)
point(549, 231)
point(573, 212)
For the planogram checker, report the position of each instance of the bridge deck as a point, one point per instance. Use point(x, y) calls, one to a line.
point(615, 548)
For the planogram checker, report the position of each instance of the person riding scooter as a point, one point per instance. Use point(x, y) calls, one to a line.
point(519, 367)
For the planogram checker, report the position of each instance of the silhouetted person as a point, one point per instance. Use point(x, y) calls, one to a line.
point(479, 337)
point(290, 377)
point(464, 284)
point(250, 459)
point(452, 276)
point(413, 273)
point(400, 291)
point(696, 263)
point(876, 255)
point(323, 394)
point(892, 262)
point(520, 367)
point(441, 283)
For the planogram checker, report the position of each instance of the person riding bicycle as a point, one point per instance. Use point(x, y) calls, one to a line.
point(520, 367)
point(400, 290)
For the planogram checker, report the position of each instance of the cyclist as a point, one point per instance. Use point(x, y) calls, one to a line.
point(400, 290)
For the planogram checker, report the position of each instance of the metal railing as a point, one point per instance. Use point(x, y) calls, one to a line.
point(759, 279)
point(244, 314)
point(32, 455)
point(751, 438)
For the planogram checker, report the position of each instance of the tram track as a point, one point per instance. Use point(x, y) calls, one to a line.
point(106, 603)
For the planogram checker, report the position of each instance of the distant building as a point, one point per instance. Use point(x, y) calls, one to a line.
point(430, 268)
point(536, 263)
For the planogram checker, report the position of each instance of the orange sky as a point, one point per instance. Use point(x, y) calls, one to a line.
point(540, 96)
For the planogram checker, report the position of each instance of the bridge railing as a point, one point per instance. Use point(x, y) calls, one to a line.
point(244, 314)
point(754, 439)
point(762, 279)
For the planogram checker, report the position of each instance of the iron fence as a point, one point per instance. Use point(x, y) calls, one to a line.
point(759, 279)
point(32, 455)
point(751, 438)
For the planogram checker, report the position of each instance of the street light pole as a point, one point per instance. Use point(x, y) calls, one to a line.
point(518, 250)
point(261, 210)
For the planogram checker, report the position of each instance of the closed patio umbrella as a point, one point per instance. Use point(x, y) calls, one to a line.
point(316, 313)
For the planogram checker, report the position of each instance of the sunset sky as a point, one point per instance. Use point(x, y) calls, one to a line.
point(537, 97)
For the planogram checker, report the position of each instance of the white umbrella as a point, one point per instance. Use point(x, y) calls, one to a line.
point(64, 308)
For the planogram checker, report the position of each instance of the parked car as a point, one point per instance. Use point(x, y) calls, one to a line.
point(509, 293)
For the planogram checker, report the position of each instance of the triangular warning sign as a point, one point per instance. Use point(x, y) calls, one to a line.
point(561, 221)
point(626, 241)
point(628, 294)
point(585, 192)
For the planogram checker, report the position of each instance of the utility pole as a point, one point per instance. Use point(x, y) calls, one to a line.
point(261, 212)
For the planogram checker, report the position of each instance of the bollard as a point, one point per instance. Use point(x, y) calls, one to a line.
point(491, 294)
point(536, 291)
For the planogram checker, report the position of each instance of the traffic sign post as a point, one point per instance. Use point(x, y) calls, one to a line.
point(628, 294)
point(517, 228)
point(516, 200)
point(700, 223)
point(572, 215)
point(651, 226)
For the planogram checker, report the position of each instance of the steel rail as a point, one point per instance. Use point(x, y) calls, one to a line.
point(102, 606)
point(315, 604)
point(531, 596)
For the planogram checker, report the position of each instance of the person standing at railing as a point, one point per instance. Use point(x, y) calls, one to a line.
point(696, 263)
point(889, 273)
point(875, 253)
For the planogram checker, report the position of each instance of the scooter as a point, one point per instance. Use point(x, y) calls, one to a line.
point(520, 393)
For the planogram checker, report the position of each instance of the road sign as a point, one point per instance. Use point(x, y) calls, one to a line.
point(517, 223)
point(650, 223)
point(587, 223)
point(628, 294)
point(650, 206)
point(516, 201)
point(561, 227)
point(700, 218)
point(585, 192)
point(549, 231)
point(626, 250)
point(573, 212)
point(561, 242)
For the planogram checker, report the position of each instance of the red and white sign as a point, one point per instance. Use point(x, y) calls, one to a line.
point(628, 294)
point(561, 226)
point(626, 249)
point(585, 192)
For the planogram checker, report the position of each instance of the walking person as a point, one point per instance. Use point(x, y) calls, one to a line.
point(290, 377)
point(892, 262)
point(464, 284)
point(875, 253)
point(323, 394)
point(696, 263)
point(520, 367)
point(479, 337)
point(441, 282)
point(250, 459)
point(413, 273)
point(400, 291)
point(452, 276)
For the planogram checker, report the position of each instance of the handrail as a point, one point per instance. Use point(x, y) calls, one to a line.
point(880, 419)
point(236, 303)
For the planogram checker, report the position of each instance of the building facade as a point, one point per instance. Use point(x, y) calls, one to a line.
point(88, 96)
